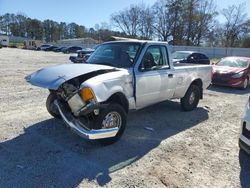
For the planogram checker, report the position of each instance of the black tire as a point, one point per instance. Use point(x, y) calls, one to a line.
point(189, 104)
point(51, 108)
point(111, 108)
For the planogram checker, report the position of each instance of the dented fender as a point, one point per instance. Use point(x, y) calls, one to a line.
point(105, 85)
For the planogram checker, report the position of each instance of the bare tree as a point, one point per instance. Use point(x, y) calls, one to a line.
point(189, 17)
point(235, 19)
point(162, 22)
point(176, 11)
point(169, 22)
point(205, 20)
point(146, 29)
point(196, 20)
point(136, 21)
point(182, 21)
point(127, 20)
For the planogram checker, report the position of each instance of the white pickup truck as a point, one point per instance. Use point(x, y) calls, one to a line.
point(94, 98)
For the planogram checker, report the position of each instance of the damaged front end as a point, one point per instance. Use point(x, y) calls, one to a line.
point(79, 110)
point(82, 130)
point(77, 106)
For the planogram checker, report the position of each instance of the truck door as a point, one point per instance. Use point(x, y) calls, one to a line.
point(152, 77)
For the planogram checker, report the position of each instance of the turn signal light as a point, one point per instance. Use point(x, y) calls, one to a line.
point(87, 94)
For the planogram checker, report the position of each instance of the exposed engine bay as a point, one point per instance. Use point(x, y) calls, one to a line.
point(69, 94)
point(72, 86)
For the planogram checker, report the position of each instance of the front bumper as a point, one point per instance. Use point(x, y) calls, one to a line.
point(244, 141)
point(244, 146)
point(92, 134)
point(228, 81)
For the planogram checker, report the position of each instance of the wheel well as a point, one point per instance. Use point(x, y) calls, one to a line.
point(120, 98)
point(198, 83)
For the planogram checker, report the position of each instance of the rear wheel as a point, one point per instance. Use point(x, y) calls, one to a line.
point(51, 107)
point(111, 117)
point(191, 99)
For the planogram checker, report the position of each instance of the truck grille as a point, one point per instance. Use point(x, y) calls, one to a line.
point(245, 132)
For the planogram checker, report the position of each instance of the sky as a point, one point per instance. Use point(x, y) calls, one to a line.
point(83, 12)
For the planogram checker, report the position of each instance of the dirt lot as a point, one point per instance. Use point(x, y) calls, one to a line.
point(186, 149)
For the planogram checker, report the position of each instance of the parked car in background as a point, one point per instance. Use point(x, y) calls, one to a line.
point(71, 49)
point(244, 141)
point(59, 49)
point(50, 48)
point(232, 71)
point(43, 46)
point(190, 57)
point(81, 56)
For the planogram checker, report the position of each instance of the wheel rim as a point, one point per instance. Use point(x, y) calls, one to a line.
point(245, 83)
point(192, 98)
point(112, 120)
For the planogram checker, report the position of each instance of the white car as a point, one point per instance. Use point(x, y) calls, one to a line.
point(244, 141)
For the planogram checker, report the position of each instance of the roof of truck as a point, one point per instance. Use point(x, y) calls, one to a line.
point(137, 41)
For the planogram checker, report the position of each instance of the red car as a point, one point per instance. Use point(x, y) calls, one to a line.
point(232, 71)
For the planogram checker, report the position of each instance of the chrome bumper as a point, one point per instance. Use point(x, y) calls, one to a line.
point(85, 133)
point(244, 146)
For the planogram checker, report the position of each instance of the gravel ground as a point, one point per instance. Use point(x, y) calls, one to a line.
point(185, 149)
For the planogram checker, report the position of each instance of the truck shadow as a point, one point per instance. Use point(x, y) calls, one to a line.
point(229, 90)
point(245, 169)
point(49, 155)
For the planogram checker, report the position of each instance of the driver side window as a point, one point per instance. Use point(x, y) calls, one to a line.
point(153, 59)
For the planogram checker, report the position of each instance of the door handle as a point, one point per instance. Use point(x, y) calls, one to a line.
point(170, 75)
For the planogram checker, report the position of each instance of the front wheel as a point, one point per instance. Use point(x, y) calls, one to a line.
point(112, 116)
point(191, 99)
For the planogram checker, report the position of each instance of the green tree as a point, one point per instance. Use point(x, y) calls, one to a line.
point(7, 22)
point(80, 31)
point(34, 29)
point(51, 31)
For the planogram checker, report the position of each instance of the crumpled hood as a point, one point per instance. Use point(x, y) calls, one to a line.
point(52, 77)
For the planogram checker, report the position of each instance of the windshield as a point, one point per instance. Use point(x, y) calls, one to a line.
point(121, 55)
point(238, 63)
point(180, 55)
